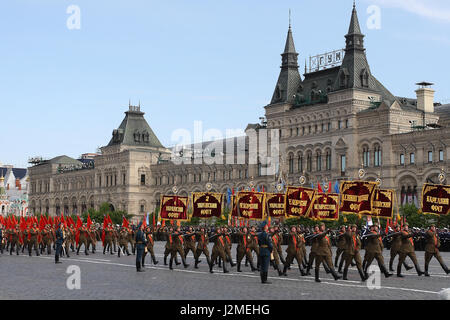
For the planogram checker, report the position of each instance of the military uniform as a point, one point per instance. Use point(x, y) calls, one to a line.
point(253, 246)
point(265, 249)
point(177, 247)
point(83, 239)
point(407, 250)
point(168, 248)
point(92, 239)
point(189, 245)
point(396, 243)
point(243, 249)
point(340, 245)
point(202, 247)
point(59, 243)
point(294, 251)
point(150, 243)
point(218, 250)
point(140, 248)
point(123, 242)
point(323, 254)
point(108, 245)
point(351, 252)
point(374, 249)
point(33, 235)
point(432, 250)
point(15, 237)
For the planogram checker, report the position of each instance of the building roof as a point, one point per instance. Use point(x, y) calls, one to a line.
point(443, 111)
point(135, 131)
point(64, 160)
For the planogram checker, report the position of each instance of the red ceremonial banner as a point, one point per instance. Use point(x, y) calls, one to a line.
point(275, 205)
point(299, 201)
point(207, 204)
point(383, 203)
point(250, 205)
point(357, 197)
point(435, 199)
point(326, 207)
point(174, 208)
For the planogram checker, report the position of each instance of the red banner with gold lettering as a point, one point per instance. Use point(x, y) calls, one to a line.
point(299, 201)
point(326, 207)
point(357, 197)
point(174, 208)
point(435, 199)
point(207, 204)
point(383, 203)
point(250, 205)
point(275, 205)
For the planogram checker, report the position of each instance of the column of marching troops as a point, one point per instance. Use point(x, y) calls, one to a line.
point(195, 240)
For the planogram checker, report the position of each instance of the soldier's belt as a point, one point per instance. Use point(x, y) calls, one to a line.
point(264, 246)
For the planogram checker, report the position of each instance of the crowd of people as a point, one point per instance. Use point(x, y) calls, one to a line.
point(181, 242)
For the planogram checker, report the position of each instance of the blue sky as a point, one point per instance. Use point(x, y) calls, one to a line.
point(64, 91)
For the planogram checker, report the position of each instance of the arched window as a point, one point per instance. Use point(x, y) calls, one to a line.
point(300, 163)
point(309, 162)
point(319, 161)
point(328, 160)
point(364, 78)
point(291, 163)
point(366, 156)
point(377, 155)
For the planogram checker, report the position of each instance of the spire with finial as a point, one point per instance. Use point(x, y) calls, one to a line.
point(289, 78)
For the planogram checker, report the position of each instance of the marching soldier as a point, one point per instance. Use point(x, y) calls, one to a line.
point(351, 252)
point(202, 247)
point(83, 239)
point(294, 251)
point(432, 250)
point(265, 249)
point(253, 245)
point(407, 249)
point(15, 237)
point(341, 244)
point(228, 247)
point(177, 247)
point(150, 242)
point(189, 243)
point(312, 252)
point(109, 235)
point(169, 244)
point(92, 239)
point(278, 243)
point(47, 237)
point(123, 242)
point(218, 250)
point(374, 249)
point(396, 243)
point(244, 238)
point(323, 253)
point(33, 235)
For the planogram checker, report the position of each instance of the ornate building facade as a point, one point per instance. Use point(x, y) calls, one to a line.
point(331, 122)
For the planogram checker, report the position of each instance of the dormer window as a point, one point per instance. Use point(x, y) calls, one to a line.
point(343, 78)
point(364, 78)
point(137, 136)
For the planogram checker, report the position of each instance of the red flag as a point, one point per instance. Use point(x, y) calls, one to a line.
point(78, 227)
point(144, 222)
point(105, 224)
point(387, 226)
point(163, 223)
point(329, 187)
point(89, 222)
point(125, 223)
point(319, 188)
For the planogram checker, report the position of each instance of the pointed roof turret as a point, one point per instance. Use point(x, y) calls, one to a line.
point(354, 23)
point(289, 78)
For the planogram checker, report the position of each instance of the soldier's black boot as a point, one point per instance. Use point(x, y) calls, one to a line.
point(211, 267)
point(265, 278)
point(344, 276)
point(335, 275)
point(176, 261)
point(104, 250)
point(184, 262)
point(280, 273)
point(308, 270)
point(285, 270)
point(165, 260)
point(407, 267)
point(118, 253)
point(327, 270)
point(154, 260)
point(138, 266)
point(302, 272)
point(231, 262)
point(316, 271)
point(426, 271)
point(246, 262)
point(391, 262)
point(419, 272)
point(86, 252)
point(253, 266)
point(196, 264)
point(384, 270)
point(399, 271)
point(220, 263)
point(225, 270)
point(361, 274)
point(341, 264)
point(239, 267)
point(170, 264)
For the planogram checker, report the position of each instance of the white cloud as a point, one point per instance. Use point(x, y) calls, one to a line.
point(431, 9)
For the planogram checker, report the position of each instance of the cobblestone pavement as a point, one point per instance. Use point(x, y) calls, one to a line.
point(109, 277)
